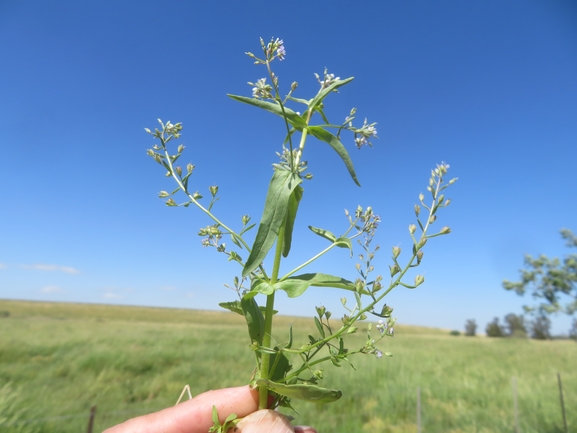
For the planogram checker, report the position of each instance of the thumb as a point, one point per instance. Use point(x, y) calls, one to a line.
point(268, 421)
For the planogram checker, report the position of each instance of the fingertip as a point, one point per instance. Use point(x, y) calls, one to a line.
point(304, 429)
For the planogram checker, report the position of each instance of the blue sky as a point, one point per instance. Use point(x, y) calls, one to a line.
point(488, 87)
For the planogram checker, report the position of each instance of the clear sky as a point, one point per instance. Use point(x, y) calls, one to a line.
point(489, 87)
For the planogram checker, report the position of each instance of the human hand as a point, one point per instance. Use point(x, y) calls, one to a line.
point(195, 416)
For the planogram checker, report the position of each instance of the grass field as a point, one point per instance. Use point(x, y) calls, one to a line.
point(58, 360)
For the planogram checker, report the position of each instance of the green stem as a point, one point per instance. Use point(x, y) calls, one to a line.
point(265, 372)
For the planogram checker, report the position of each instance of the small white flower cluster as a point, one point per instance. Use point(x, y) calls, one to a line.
point(280, 51)
point(261, 89)
point(364, 134)
point(275, 48)
point(327, 80)
point(386, 327)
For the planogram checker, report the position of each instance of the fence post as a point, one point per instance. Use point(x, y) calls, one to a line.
point(515, 406)
point(91, 419)
point(562, 403)
point(418, 409)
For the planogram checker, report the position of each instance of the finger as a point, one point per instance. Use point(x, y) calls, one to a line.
point(194, 416)
point(304, 429)
point(265, 421)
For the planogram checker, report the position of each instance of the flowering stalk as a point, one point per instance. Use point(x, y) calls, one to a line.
point(275, 375)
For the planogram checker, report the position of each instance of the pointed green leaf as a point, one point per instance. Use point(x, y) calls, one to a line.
point(311, 393)
point(293, 118)
point(344, 242)
point(234, 306)
point(294, 201)
point(254, 319)
point(261, 286)
point(215, 419)
point(319, 327)
point(324, 93)
point(276, 206)
point(324, 135)
point(323, 233)
point(280, 366)
point(302, 101)
point(296, 286)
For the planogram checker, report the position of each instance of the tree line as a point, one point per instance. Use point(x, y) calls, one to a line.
point(552, 282)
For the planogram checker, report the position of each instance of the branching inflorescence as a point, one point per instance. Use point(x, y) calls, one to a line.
point(289, 370)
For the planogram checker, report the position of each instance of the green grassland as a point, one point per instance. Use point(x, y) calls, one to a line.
point(57, 360)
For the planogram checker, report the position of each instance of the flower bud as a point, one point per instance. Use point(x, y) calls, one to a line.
point(394, 270)
point(445, 230)
point(213, 190)
point(432, 219)
point(163, 194)
point(245, 219)
point(421, 197)
point(396, 252)
point(412, 228)
point(321, 311)
point(179, 171)
point(189, 167)
point(180, 148)
point(417, 210)
point(171, 202)
point(386, 311)
point(419, 256)
point(419, 279)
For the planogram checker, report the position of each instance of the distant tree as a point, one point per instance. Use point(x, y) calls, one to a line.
point(573, 330)
point(551, 281)
point(455, 333)
point(541, 328)
point(493, 329)
point(470, 328)
point(515, 325)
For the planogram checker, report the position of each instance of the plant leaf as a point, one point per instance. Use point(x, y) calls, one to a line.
point(324, 135)
point(324, 93)
point(293, 206)
point(254, 319)
point(262, 286)
point(344, 242)
point(233, 306)
point(323, 233)
point(311, 393)
point(293, 118)
point(281, 367)
point(276, 205)
point(296, 286)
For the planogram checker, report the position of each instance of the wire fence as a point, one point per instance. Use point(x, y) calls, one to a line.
point(103, 420)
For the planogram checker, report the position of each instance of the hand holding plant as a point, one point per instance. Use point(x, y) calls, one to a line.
point(292, 370)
